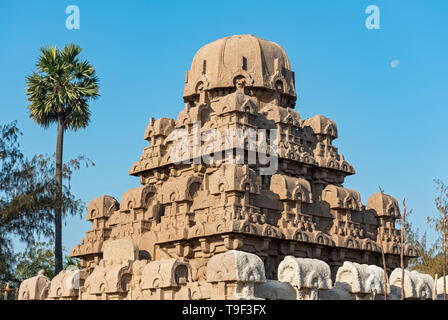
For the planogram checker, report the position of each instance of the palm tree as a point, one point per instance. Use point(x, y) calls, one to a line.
point(59, 93)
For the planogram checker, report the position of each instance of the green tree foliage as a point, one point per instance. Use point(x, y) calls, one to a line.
point(40, 255)
point(430, 255)
point(37, 257)
point(430, 258)
point(59, 92)
point(27, 196)
point(62, 86)
point(439, 224)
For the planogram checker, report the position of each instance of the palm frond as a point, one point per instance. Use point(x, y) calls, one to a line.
point(62, 85)
point(70, 52)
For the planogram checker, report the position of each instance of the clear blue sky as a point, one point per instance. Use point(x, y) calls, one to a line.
point(391, 121)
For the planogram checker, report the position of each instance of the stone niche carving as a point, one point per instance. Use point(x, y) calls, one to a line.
point(35, 288)
point(98, 213)
point(342, 198)
point(166, 279)
point(111, 277)
point(66, 284)
point(189, 214)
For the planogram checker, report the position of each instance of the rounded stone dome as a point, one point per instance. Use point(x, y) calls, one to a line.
point(262, 64)
point(383, 205)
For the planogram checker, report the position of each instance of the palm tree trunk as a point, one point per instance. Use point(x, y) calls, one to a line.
point(444, 253)
point(58, 208)
point(403, 221)
point(384, 269)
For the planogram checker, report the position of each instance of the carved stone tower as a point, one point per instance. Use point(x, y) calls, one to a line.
point(194, 209)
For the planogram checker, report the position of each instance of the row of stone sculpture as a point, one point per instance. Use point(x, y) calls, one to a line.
point(230, 275)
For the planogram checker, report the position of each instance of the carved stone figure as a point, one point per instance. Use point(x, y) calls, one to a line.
point(363, 282)
point(416, 285)
point(307, 276)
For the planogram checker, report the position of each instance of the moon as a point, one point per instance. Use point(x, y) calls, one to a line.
point(394, 63)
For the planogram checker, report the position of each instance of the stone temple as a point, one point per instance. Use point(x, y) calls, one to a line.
point(225, 229)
